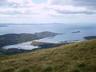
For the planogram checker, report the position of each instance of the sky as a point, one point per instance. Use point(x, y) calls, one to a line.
point(47, 11)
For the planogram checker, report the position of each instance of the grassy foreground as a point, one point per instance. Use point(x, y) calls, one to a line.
point(77, 57)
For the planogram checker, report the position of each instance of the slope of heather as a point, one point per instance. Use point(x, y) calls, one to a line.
point(77, 57)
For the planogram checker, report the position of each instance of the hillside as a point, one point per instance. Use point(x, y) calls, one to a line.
point(77, 57)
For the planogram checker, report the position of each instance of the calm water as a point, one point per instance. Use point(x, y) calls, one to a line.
point(25, 45)
point(65, 29)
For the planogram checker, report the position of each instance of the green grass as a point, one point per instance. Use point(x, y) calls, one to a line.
point(77, 57)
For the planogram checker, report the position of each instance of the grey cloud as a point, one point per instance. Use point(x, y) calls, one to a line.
point(5, 3)
point(86, 2)
point(83, 12)
point(76, 12)
point(61, 2)
point(10, 12)
point(91, 4)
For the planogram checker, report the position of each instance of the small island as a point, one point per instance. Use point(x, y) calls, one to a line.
point(76, 32)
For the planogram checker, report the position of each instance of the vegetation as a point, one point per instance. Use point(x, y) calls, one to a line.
point(77, 57)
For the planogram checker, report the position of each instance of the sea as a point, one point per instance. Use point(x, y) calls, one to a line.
point(68, 32)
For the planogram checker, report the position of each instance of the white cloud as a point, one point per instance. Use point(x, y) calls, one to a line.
point(51, 9)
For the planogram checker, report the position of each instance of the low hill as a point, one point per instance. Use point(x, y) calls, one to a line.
point(77, 57)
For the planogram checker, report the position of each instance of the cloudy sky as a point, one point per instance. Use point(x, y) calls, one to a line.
point(41, 11)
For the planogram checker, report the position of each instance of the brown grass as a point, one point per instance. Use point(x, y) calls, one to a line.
point(77, 57)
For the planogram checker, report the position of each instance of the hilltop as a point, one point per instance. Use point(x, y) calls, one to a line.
point(76, 57)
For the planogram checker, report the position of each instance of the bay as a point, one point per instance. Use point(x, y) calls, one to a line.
point(68, 32)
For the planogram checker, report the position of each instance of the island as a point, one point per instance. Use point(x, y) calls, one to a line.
point(11, 39)
point(47, 44)
point(76, 32)
point(90, 37)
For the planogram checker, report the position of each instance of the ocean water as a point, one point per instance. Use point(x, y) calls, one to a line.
point(25, 46)
point(66, 30)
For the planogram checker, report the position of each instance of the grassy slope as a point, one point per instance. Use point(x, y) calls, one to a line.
point(78, 57)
